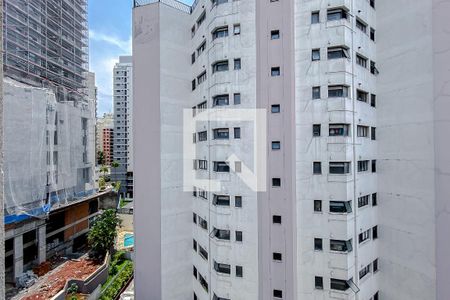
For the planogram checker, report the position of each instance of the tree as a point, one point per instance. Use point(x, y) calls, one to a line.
point(103, 233)
point(101, 183)
point(104, 170)
point(116, 186)
point(100, 158)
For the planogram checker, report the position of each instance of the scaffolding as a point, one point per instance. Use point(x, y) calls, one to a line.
point(46, 43)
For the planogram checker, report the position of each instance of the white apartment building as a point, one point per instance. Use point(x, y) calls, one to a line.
point(357, 114)
point(123, 114)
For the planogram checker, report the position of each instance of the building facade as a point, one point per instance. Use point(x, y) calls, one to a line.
point(46, 43)
point(105, 137)
point(49, 102)
point(356, 113)
point(123, 114)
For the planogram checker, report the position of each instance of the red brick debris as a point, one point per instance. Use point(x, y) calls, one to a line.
point(55, 282)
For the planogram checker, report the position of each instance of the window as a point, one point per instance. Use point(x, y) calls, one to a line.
point(193, 84)
point(375, 265)
point(215, 297)
point(194, 245)
point(315, 54)
point(318, 244)
point(201, 48)
point(194, 218)
point(362, 96)
point(221, 166)
point(274, 34)
point(316, 92)
point(364, 271)
point(203, 253)
point(194, 271)
point(221, 200)
point(361, 61)
point(202, 136)
point(275, 108)
point(338, 130)
point(275, 71)
point(220, 100)
point(375, 232)
point(222, 268)
point(372, 34)
point(341, 246)
point(337, 91)
point(338, 52)
point(276, 182)
point(220, 66)
point(374, 199)
point(317, 167)
point(363, 165)
point(361, 26)
point(336, 14)
point(238, 236)
point(237, 132)
point(340, 207)
point(202, 164)
point(339, 167)
point(220, 32)
point(363, 201)
point(373, 68)
point(221, 134)
point(277, 256)
point(362, 131)
point(372, 3)
point(318, 205)
point(192, 35)
point(276, 219)
point(374, 165)
point(193, 58)
point(318, 282)
point(364, 236)
point(238, 201)
point(373, 100)
point(278, 294)
point(202, 223)
point(236, 29)
point(203, 282)
point(239, 271)
point(201, 78)
point(316, 129)
point(338, 284)
point(237, 98)
point(201, 19)
point(315, 17)
point(237, 64)
point(221, 234)
point(375, 296)
point(276, 145)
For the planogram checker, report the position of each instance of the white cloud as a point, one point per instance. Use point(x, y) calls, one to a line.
point(123, 45)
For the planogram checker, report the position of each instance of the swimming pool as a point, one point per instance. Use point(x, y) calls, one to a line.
point(128, 240)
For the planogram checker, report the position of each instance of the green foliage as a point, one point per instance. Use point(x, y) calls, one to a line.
point(116, 186)
point(101, 183)
point(113, 288)
point(115, 164)
point(103, 233)
point(73, 289)
point(100, 158)
point(104, 169)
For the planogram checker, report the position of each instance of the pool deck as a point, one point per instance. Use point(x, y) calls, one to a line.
point(121, 239)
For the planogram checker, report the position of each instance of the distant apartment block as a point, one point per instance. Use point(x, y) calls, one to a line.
point(105, 137)
point(123, 127)
point(357, 150)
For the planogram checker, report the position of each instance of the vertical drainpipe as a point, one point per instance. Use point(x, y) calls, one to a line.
point(354, 164)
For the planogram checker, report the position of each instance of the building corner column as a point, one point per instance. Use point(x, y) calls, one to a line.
point(42, 244)
point(18, 255)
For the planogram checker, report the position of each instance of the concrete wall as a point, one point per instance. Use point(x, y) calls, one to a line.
point(2, 228)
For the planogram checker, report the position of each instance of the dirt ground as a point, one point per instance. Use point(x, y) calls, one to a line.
point(50, 284)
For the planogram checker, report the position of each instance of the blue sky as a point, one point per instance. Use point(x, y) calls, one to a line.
point(109, 37)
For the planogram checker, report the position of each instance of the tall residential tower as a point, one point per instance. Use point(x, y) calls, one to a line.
point(123, 114)
point(356, 110)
